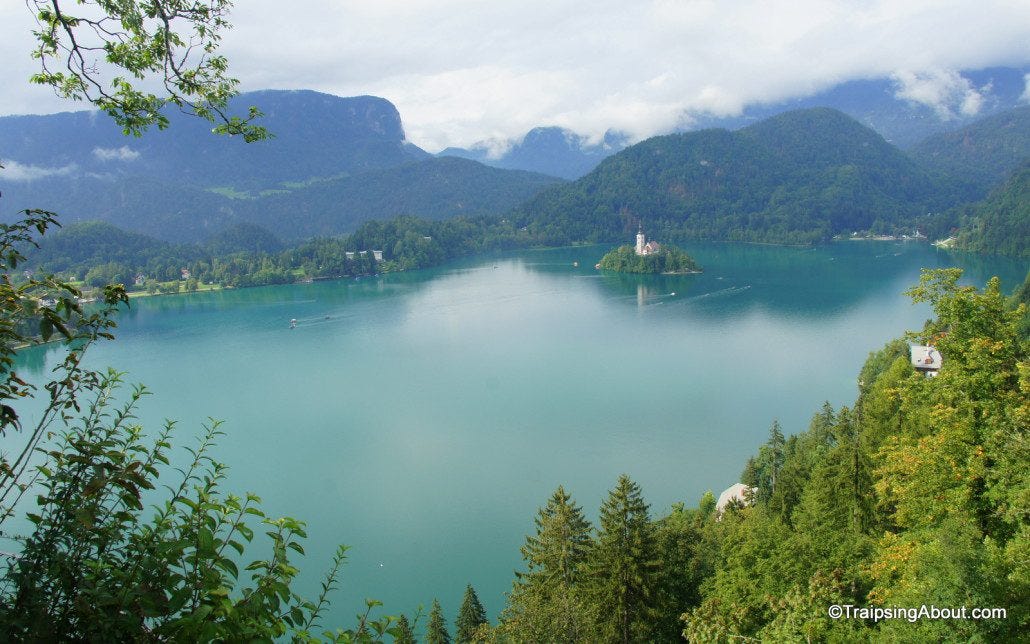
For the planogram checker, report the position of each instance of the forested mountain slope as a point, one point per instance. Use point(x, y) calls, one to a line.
point(981, 155)
point(799, 177)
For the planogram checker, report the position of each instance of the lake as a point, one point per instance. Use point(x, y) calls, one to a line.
point(423, 417)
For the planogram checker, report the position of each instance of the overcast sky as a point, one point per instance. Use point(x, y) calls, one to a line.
point(461, 71)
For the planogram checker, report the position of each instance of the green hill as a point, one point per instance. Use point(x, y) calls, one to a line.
point(1001, 223)
point(799, 177)
point(432, 189)
point(981, 155)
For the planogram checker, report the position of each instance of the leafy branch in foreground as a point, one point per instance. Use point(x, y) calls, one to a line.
point(91, 55)
point(86, 564)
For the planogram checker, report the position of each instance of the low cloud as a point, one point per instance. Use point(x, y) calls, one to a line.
point(124, 153)
point(462, 71)
point(14, 171)
point(1026, 89)
point(946, 92)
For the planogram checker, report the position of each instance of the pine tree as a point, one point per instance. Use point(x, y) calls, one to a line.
point(436, 632)
point(404, 634)
point(562, 539)
point(546, 601)
point(470, 617)
point(624, 565)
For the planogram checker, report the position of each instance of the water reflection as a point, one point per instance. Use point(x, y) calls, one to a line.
point(785, 281)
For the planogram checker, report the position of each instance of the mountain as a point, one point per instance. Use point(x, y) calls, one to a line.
point(549, 150)
point(981, 155)
point(1001, 223)
point(333, 162)
point(431, 189)
point(885, 105)
point(799, 177)
point(315, 135)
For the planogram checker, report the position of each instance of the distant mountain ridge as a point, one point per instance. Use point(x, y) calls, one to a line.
point(556, 151)
point(315, 135)
point(879, 104)
point(333, 163)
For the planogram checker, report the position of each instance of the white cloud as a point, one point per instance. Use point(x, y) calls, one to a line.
point(1026, 90)
point(944, 91)
point(124, 153)
point(14, 171)
point(462, 71)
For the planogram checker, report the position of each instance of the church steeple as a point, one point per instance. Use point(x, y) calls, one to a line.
point(640, 240)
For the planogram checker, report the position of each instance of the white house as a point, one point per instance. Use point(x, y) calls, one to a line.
point(926, 359)
point(736, 492)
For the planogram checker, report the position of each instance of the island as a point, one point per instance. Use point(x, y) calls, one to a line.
point(648, 257)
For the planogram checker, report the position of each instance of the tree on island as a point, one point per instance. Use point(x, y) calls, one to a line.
point(668, 259)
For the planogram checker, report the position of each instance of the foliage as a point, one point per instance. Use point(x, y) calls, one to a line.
point(622, 566)
point(92, 566)
point(471, 616)
point(436, 630)
point(86, 55)
point(916, 495)
point(546, 601)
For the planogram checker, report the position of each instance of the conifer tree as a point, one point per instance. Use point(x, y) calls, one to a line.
point(436, 632)
point(623, 565)
point(404, 633)
point(470, 617)
point(554, 556)
point(546, 602)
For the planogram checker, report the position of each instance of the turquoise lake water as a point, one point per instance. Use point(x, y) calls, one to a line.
point(422, 418)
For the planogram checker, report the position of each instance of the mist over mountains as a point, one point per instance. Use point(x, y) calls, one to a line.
point(903, 111)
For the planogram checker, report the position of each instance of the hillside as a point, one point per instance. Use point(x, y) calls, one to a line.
point(981, 155)
point(333, 163)
point(1001, 223)
point(431, 189)
point(799, 177)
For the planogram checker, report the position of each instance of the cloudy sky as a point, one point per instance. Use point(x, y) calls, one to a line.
point(462, 71)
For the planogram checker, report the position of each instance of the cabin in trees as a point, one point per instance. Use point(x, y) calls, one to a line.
point(737, 493)
point(645, 247)
point(926, 359)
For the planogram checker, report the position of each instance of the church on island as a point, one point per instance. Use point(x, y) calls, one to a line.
point(645, 247)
